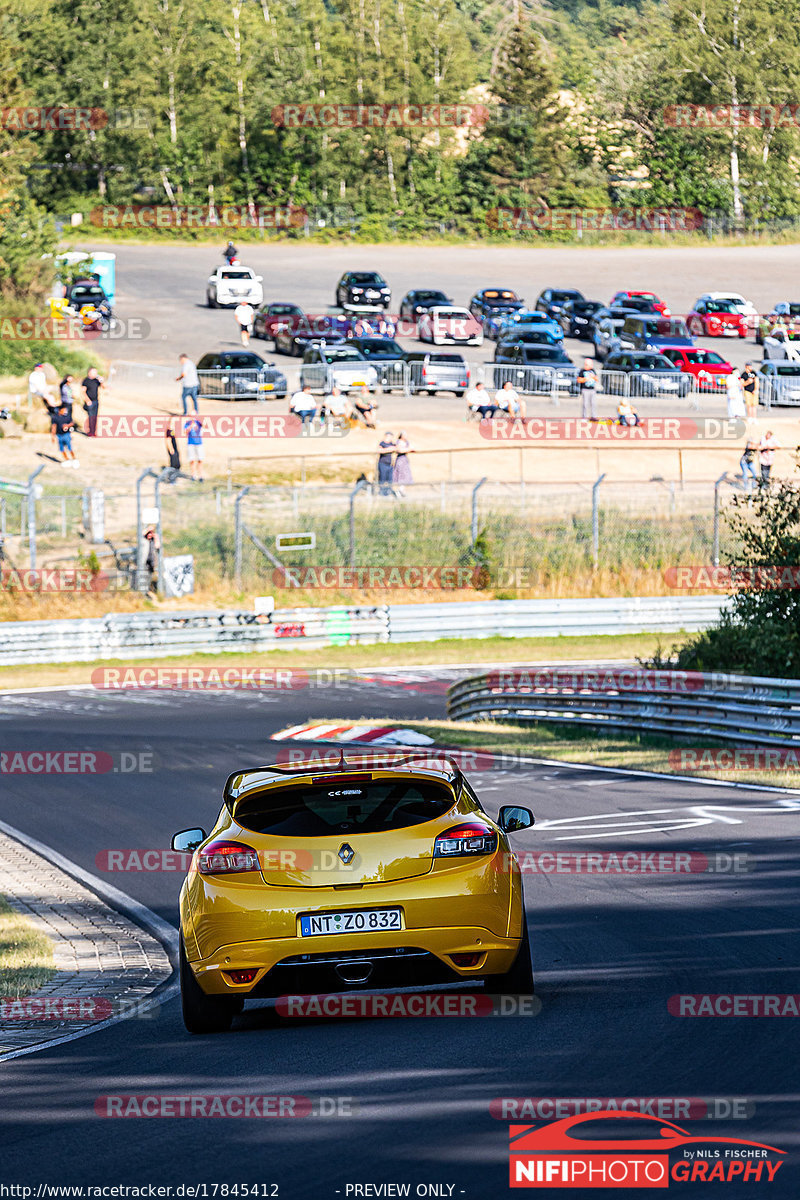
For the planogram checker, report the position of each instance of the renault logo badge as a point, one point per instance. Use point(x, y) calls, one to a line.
point(346, 853)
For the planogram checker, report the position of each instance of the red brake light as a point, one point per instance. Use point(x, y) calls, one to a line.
point(226, 858)
point(465, 839)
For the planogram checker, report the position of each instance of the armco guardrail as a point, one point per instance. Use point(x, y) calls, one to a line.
point(159, 635)
point(730, 708)
point(551, 618)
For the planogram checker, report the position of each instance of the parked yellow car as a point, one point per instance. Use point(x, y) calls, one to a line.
point(322, 879)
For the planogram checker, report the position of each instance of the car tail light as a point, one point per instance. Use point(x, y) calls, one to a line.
point(246, 976)
point(226, 858)
point(465, 840)
point(424, 372)
point(466, 960)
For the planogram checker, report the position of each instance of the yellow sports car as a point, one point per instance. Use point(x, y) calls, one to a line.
point(323, 879)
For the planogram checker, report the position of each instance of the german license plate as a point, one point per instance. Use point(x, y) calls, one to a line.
point(364, 920)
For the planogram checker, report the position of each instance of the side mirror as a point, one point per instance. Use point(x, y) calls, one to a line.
point(188, 840)
point(259, 278)
point(511, 818)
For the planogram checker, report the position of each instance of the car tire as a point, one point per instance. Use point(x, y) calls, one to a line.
point(211, 301)
point(459, 393)
point(202, 1013)
point(518, 979)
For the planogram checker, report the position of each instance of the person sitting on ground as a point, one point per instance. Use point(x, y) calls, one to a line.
point(337, 406)
point(480, 403)
point(365, 408)
point(303, 405)
point(626, 413)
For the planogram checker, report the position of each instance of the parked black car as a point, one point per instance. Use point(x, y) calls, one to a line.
point(576, 318)
point(387, 357)
point(239, 375)
point(536, 369)
point(420, 300)
point(552, 300)
point(363, 290)
point(643, 373)
point(298, 333)
point(492, 302)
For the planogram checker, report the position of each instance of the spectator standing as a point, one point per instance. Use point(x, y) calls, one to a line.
point(401, 472)
point(386, 448)
point(91, 389)
point(245, 314)
point(749, 381)
point(767, 448)
point(151, 559)
point(303, 405)
point(173, 454)
point(65, 393)
point(189, 381)
point(61, 427)
point(37, 386)
point(747, 463)
point(193, 428)
point(587, 386)
point(735, 392)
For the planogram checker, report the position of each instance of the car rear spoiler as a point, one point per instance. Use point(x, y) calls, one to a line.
point(240, 782)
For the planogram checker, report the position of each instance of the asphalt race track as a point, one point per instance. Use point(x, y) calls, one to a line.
point(608, 953)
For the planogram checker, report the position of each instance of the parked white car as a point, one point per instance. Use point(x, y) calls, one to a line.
point(743, 306)
point(232, 285)
point(449, 326)
point(343, 366)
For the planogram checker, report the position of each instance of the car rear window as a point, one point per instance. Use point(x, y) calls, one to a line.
point(543, 354)
point(452, 359)
point(343, 807)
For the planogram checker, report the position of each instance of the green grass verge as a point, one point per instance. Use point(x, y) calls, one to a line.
point(591, 648)
point(26, 955)
point(580, 745)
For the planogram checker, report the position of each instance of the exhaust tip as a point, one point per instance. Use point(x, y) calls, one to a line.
point(354, 972)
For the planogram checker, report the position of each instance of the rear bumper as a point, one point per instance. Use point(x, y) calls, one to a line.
point(399, 959)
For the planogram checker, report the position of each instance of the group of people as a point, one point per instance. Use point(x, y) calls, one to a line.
point(60, 410)
point(394, 469)
point(742, 389)
point(762, 449)
point(506, 402)
point(334, 405)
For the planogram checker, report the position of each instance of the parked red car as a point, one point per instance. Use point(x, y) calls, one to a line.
point(716, 318)
point(709, 368)
point(656, 305)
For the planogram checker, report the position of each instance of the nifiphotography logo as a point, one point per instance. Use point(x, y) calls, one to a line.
point(589, 1151)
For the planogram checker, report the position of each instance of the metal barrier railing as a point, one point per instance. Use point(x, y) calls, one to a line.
point(161, 635)
point(238, 383)
point(725, 707)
